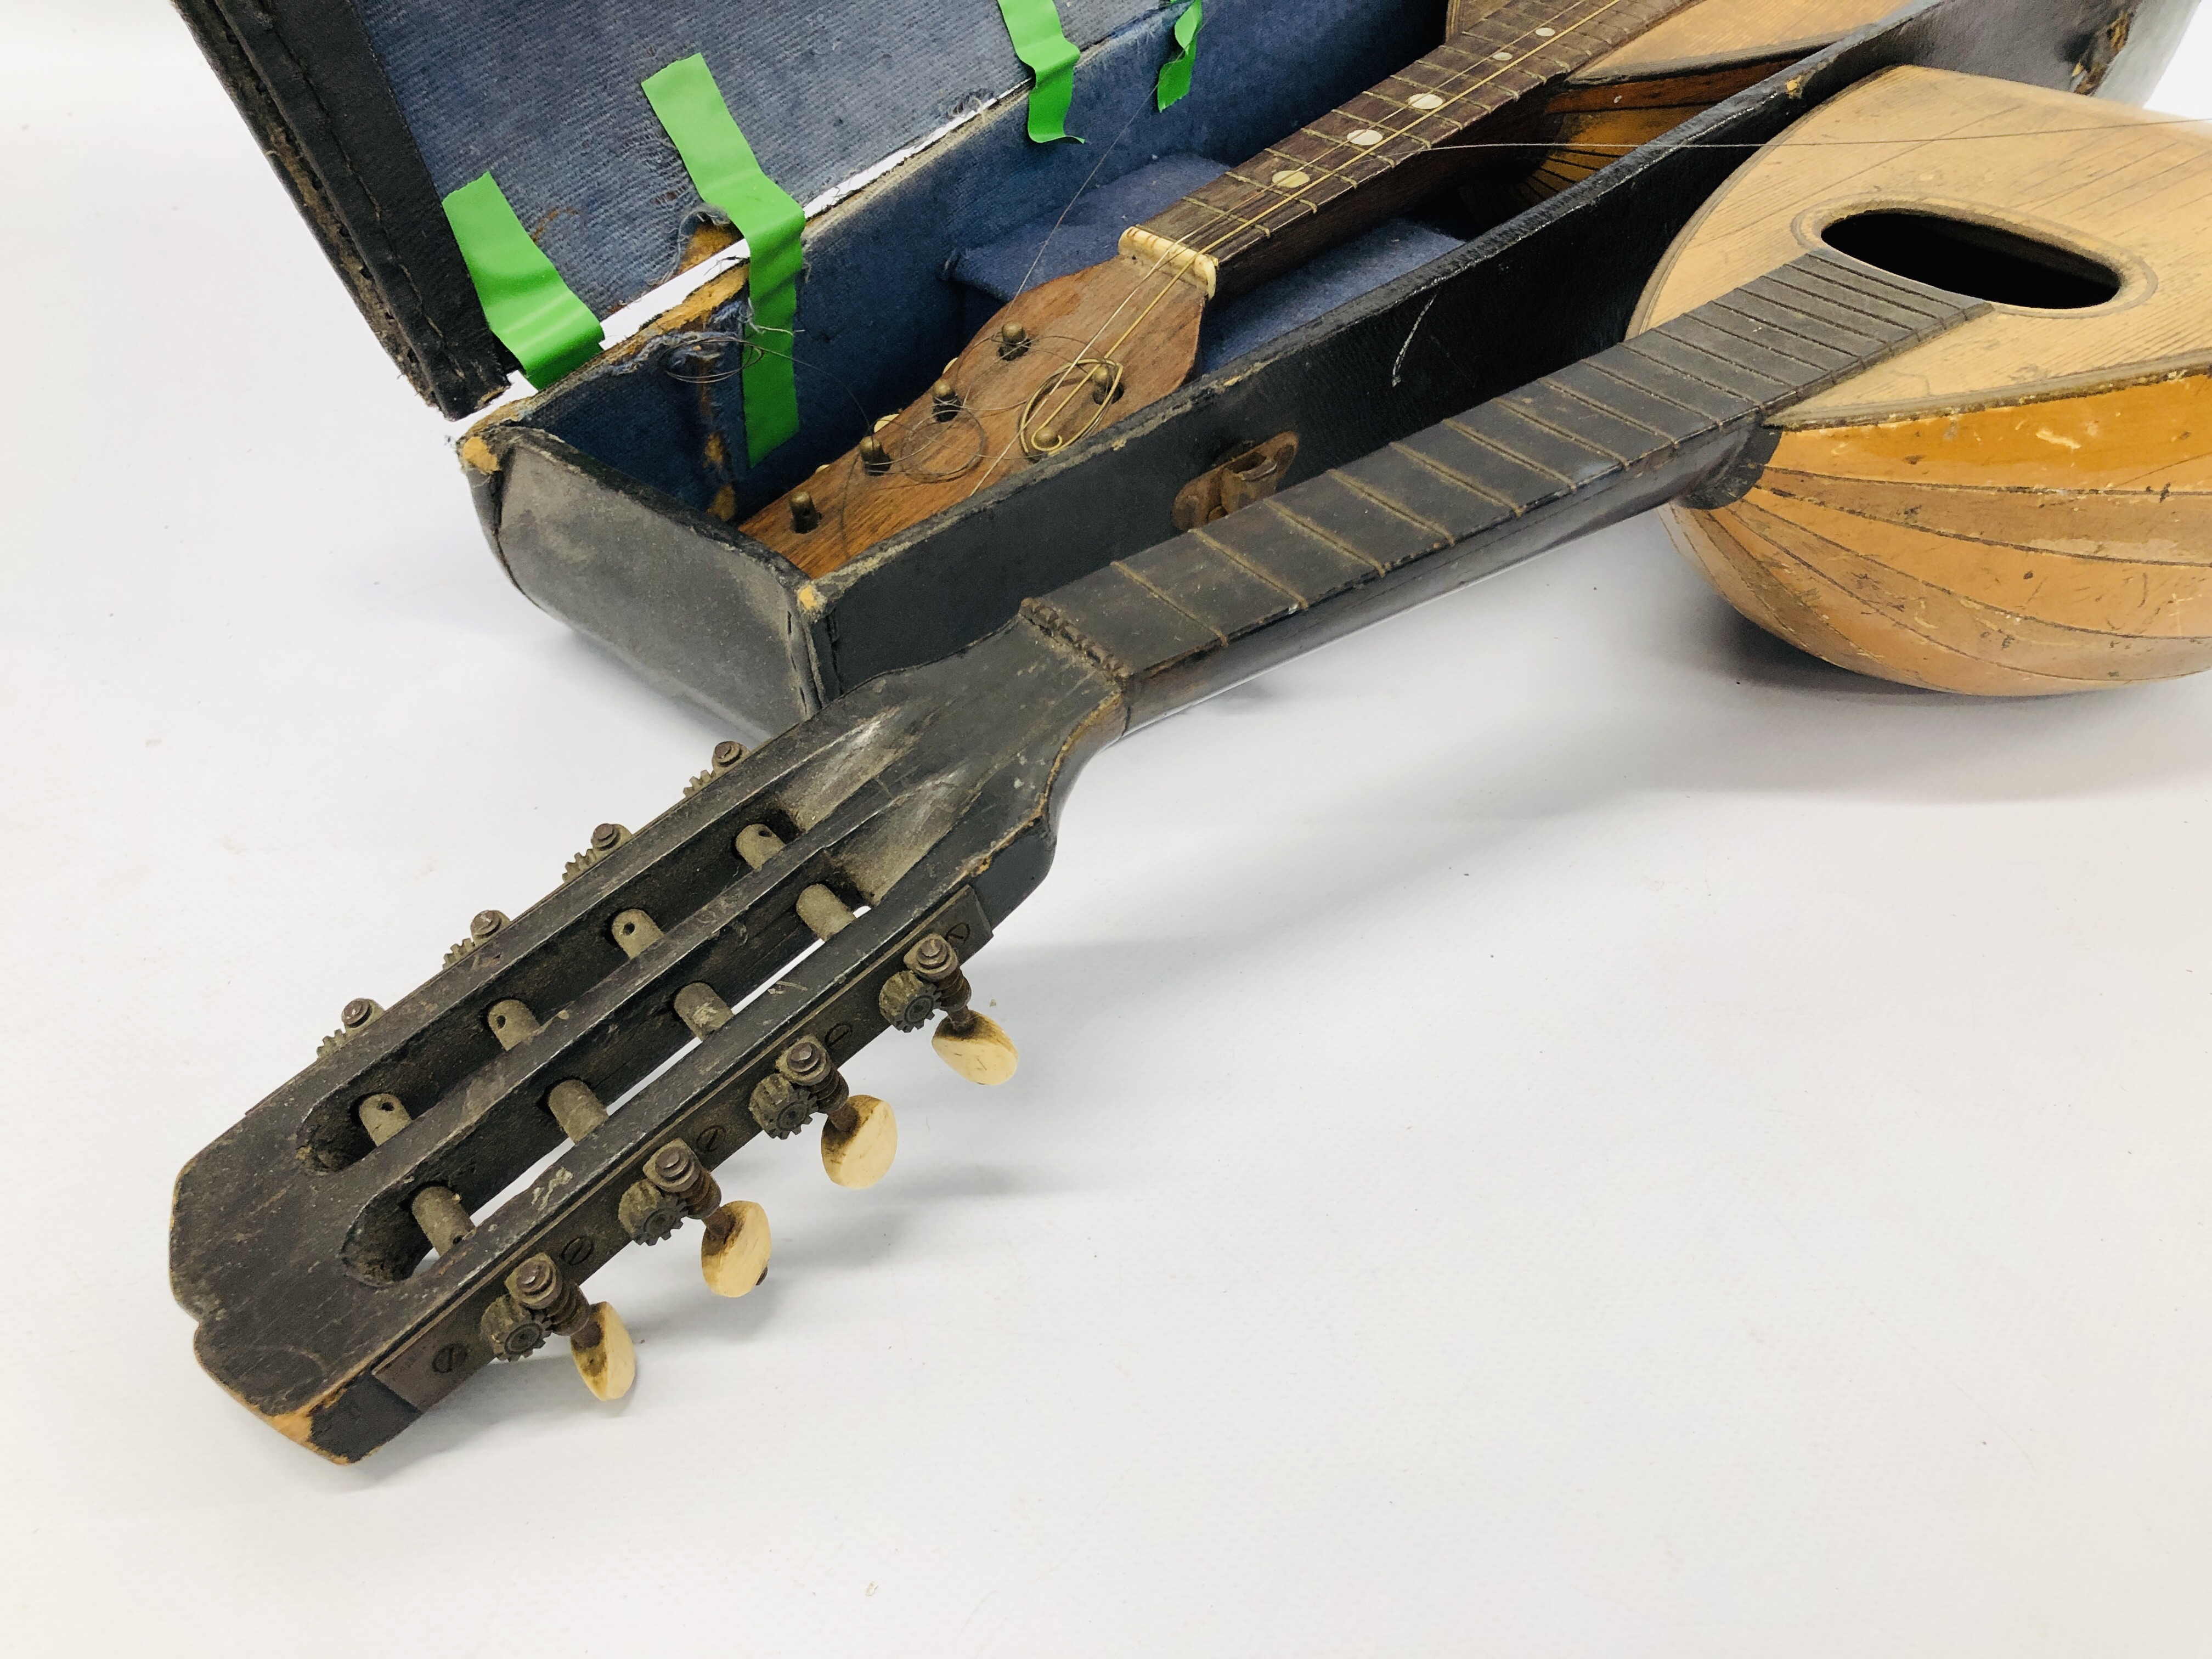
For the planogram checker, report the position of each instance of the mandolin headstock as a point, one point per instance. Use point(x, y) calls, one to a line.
point(1054, 366)
point(685, 990)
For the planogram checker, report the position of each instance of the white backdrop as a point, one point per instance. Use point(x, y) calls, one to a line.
point(1738, 1184)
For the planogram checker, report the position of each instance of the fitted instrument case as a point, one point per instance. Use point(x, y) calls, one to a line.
point(611, 496)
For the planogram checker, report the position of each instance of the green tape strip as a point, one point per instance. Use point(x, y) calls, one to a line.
point(533, 312)
point(1175, 74)
point(725, 173)
point(1040, 43)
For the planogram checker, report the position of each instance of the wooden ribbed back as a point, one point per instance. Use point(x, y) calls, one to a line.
point(2024, 506)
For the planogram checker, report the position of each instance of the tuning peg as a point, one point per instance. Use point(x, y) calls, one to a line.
point(539, 1303)
point(859, 1140)
point(438, 1210)
point(634, 930)
point(727, 753)
point(605, 840)
point(825, 914)
point(511, 1022)
point(860, 1135)
point(675, 1186)
point(971, 1043)
point(733, 1255)
point(975, 1046)
point(482, 927)
point(353, 1018)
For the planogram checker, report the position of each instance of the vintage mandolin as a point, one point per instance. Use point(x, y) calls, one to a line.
point(1929, 380)
point(1523, 97)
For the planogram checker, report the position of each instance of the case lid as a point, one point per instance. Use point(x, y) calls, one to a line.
point(373, 110)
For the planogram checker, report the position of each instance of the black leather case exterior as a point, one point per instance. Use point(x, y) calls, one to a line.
point(702, 610)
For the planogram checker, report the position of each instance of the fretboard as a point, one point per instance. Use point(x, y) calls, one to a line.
point(1365, 159)
point(1611, 435)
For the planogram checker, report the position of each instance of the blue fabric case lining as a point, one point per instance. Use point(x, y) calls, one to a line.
point(1053, 246)
point(878, 319)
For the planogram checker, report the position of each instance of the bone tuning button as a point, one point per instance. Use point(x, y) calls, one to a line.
point(608, 1367)
point(971, 1043)
point(733, 1255)
point(859, 1140)
point(541, 1302)
point(982, 1053)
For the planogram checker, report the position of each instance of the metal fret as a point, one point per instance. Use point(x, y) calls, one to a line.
point(1469, 78)
point(1648, 417)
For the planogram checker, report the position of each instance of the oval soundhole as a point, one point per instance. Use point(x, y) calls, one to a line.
point(1976, 260)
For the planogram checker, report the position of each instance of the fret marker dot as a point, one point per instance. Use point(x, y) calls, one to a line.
point(1364, 136)
point(1290, 179)
point(1501, 56)
point(1547, 34)
point(1426, 100)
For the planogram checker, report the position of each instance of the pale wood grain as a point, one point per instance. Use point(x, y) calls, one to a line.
point(1716, 32)
point(2121, 184)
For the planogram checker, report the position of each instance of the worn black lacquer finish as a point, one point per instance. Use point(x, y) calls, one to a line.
point(926, 795)
point(1603, 439)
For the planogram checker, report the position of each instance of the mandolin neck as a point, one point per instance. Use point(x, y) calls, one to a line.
point(1608, 437)
point(1393, 144)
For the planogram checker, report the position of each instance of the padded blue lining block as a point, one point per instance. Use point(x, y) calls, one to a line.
point(878, 319)
point(1086, 233)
